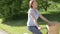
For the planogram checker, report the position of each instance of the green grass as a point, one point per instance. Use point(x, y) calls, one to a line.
point(19, 26)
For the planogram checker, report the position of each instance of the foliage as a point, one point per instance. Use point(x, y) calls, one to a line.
point(13, 8)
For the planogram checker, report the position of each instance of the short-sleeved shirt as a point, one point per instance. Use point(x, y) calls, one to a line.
point(30, 21)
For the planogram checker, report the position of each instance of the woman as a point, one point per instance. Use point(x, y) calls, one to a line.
point(33, 15)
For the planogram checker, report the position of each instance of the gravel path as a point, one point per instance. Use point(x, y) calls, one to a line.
point(3, 32)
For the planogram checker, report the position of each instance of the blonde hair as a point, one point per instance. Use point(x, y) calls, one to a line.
point(30, 3)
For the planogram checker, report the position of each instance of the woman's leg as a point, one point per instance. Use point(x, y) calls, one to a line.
point(34, 30)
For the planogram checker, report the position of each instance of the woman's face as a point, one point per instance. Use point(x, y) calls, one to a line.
point(35, 4)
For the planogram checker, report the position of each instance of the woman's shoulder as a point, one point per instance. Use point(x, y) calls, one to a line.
point(30, 10)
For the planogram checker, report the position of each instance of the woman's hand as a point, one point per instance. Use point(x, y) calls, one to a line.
point(39, 28)
point(49, 21)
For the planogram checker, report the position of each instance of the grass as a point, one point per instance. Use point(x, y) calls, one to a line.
point(19, 26)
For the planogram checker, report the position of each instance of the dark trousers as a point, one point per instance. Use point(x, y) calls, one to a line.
point(34, 30)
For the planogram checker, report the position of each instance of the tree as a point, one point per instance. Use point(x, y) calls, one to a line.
point(8, 8)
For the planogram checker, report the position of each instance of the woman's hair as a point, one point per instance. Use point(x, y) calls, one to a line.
point(30, 3)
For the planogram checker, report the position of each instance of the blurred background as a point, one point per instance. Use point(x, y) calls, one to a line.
point(13, 14)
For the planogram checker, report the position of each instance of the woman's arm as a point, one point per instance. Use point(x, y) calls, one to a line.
point(34, 19)
point(43, 18)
